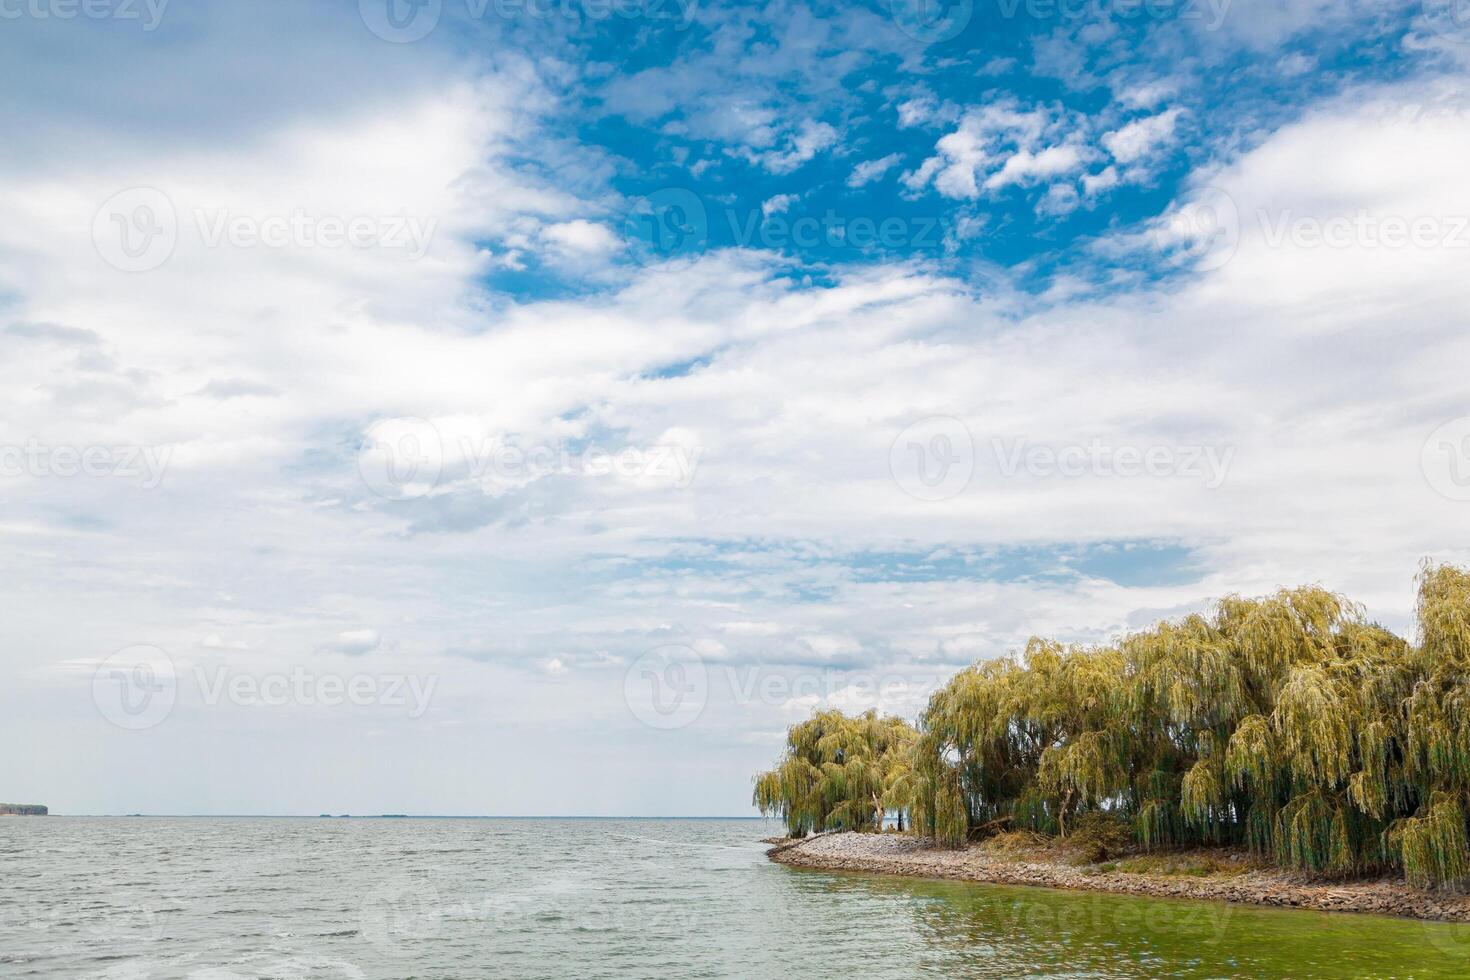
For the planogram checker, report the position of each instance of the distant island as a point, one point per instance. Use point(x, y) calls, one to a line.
point(23, 810)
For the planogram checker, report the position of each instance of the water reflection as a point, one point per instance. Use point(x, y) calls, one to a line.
point(976, 930)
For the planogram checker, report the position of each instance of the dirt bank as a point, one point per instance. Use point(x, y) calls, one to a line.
point(1207, 875)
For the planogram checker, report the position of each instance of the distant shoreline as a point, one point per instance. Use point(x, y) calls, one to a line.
point(917, 857)
point(23, 810)
point(373, 816)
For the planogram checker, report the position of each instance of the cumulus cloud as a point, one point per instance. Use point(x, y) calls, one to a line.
point(778, 204)
point(1142, 137)
point(871, 170)
point(581, 237)
point(990, 139)
point(809, 139)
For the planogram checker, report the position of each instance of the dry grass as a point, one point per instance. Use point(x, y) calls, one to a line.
point(1192, 865)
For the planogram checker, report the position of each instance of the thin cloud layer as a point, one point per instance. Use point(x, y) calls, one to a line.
point(837, 379)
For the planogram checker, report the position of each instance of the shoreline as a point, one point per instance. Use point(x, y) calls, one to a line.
point(916, 858)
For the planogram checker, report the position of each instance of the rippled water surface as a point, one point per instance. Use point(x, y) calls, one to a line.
point(343, 898)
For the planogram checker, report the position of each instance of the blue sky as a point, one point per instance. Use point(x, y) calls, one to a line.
point(526, 366)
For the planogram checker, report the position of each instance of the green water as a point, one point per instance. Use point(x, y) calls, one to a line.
point(223, 899)
point(990, 930)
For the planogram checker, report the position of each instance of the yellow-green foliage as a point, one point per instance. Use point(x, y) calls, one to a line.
point(841, 773)
point(1287, 723)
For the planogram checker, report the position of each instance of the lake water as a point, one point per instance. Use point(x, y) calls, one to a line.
point(223, 898)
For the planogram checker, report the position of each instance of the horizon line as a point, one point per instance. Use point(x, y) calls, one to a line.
point(416, 816)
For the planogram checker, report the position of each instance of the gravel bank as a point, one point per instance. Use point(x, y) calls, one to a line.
point(916, 857)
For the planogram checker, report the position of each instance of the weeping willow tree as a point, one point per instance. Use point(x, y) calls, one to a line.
point(1289, 723)
point(841, 773)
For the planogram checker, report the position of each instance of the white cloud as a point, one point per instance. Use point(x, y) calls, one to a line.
point(778, 204)
point(811, 138)
point(870, 170)
point(1142, 137)
point(355, 643)
point(582, 237)
point(986, 136)
point(1098, 183)
point(1028, 167)
point(793, 392)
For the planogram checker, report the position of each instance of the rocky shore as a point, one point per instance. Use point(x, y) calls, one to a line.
point(1204, 875)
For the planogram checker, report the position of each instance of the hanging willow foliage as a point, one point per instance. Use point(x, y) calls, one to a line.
point(1288, 723)
point(841, 773)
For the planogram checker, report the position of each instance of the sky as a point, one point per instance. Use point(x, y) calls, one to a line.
point(535, 406)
